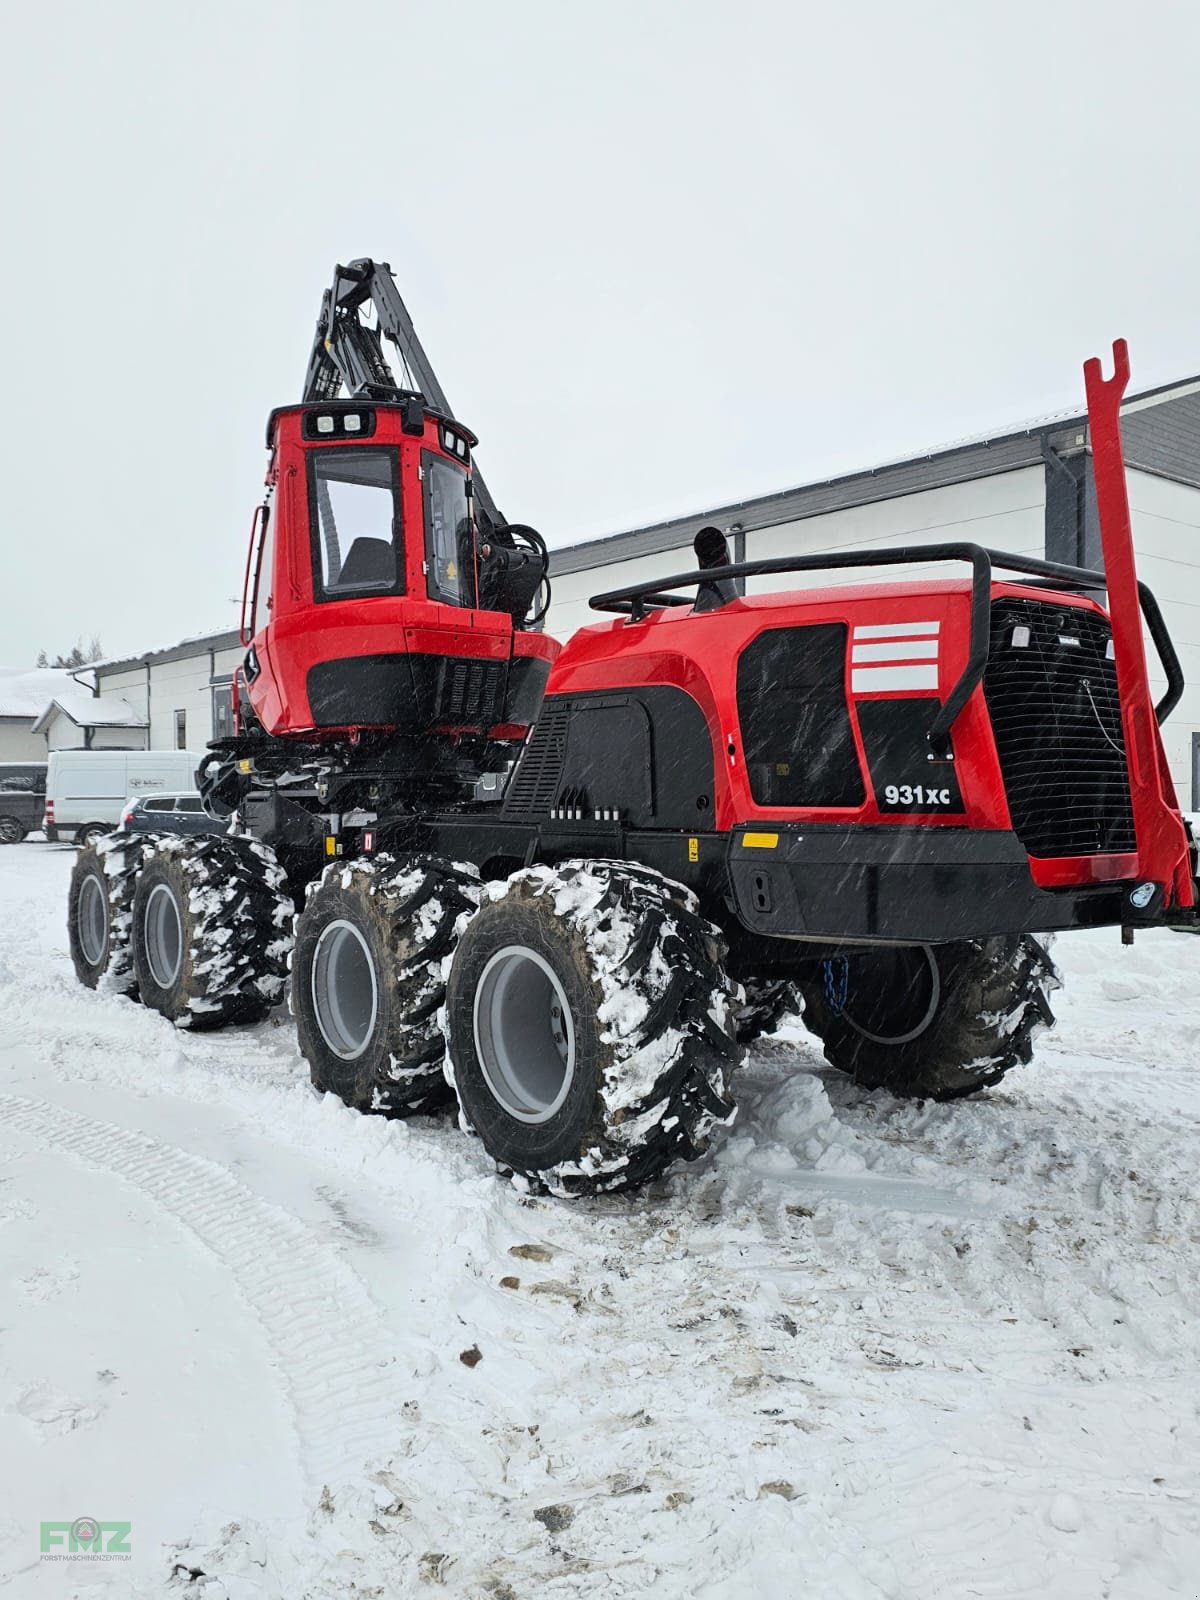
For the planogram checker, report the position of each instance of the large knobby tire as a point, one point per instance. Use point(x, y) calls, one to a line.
point(932, 1021)
point(100, 911)
point(367, 980)
point(212, 923)
point(768, 1001)
point(590, 1027)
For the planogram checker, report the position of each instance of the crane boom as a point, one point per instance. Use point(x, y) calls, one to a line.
point(346, 351)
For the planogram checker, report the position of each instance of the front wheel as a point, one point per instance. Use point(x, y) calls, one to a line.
point(931, 1021)
point(591, 1027)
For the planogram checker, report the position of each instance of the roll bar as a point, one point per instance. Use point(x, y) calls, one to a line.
point(636, 600)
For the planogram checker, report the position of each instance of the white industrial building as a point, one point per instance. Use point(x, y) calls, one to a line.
point(1028, 492)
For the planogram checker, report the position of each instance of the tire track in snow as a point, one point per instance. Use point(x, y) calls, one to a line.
point(334, 1353)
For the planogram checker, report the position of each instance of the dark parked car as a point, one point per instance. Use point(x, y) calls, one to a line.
point(22, 799)
point(168, 813)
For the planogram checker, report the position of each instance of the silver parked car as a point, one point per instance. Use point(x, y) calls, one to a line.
point(168, 813)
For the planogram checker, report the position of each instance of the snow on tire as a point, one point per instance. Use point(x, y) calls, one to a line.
point(100, 911)
point(590, 1026)
point(367, 981)
point(932, 1021)
point(767, 1002)
point(211, 929)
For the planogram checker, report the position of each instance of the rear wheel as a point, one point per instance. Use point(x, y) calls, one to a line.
point(590, 1027)
point(932, 1021)
point(92, 832)
point(211, 929)
point(12, 830)
point(367, 979)
point(100, 911)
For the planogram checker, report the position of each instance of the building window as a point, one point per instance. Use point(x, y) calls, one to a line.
point(222, 711)
point(181, 730)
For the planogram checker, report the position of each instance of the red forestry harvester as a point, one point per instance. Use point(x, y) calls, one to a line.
point(869, 800)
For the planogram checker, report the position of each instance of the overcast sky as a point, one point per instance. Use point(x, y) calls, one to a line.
point(662, 254)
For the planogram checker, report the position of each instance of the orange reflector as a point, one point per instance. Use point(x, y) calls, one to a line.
point(759, 841)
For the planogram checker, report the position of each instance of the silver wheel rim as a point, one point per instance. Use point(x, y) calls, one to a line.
point(345, 994)
point(164, 935)
point(91, 919)
point(524, 1034)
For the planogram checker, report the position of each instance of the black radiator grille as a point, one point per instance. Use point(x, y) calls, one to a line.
point(534, 784)
point(1057, 722)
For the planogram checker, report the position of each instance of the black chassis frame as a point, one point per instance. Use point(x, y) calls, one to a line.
point(813, 892)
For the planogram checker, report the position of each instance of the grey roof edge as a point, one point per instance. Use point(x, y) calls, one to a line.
point(231, 639)
point(938, 469)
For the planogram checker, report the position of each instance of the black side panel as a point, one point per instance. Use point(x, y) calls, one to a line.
point(682, 755)
point(408, 692)
point(898, 755)
point(527, 677)
point(607, 764)
point(796, 735)
point(647, 754)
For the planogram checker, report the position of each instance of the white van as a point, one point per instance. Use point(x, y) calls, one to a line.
point(86, 790)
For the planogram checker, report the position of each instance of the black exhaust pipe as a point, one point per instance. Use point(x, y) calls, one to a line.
point(712, 551)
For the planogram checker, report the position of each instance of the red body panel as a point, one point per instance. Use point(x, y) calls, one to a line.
point(699, 652)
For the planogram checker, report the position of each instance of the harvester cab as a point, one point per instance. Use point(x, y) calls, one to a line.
point(384, 593)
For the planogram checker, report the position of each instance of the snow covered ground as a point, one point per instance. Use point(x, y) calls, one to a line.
point(865, 1349)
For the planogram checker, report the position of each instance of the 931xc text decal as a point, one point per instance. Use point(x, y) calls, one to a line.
point(902, 775)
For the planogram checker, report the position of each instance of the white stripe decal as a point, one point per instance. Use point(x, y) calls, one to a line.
point(878, 680)
point(897, 630)
point(899, 650)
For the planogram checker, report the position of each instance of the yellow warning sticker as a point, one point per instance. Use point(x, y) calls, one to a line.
point(759, 841)
point(693, 849)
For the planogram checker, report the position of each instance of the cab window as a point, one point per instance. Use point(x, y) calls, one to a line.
point(450, 539)
point(354, 494)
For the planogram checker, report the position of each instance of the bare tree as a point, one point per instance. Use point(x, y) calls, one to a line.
point(77, 656)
